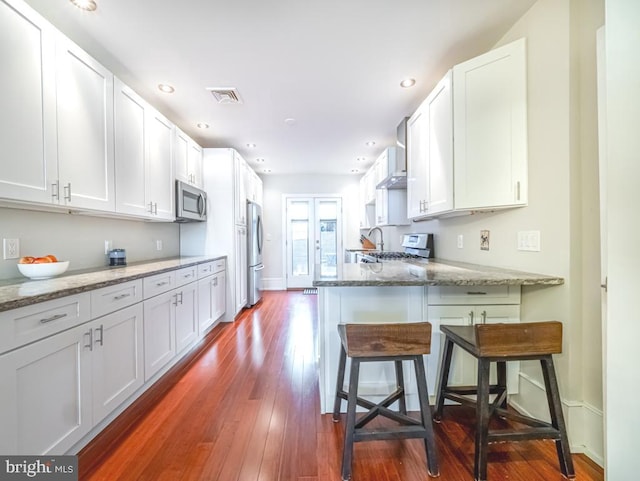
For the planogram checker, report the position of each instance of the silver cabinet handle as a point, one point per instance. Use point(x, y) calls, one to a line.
point(181, 298)
point(101, 340)
point(518, 190)
point(150, 207)
point(175, 299)
point(67, 192)
point(215, 281)
point(476, 293)
point(483, 314)
point(155, 208)
point(55, 191)
point(605, 286)
point(160, 284)
point(471, 317)
point(121, 296)
point(52, 318)
point(90, 334)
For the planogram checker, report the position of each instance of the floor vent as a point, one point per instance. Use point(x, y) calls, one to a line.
point(310, 291)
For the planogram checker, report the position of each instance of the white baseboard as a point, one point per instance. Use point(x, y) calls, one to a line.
point(274, 284)
point(584, 421)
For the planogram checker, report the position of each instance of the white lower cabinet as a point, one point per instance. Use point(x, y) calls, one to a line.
point(212, 294)
point(464, 366)
point(186, 315)
point(241, 268)
point(46, 394)
point(117, 359)
point(159, 332)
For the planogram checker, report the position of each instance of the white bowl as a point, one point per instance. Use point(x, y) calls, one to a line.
point(44, 270)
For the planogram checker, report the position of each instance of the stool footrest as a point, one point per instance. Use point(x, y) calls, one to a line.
point(467, 390)
point(396, 432)
point(525, 434)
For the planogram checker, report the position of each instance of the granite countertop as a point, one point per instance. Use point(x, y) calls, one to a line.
point(434, 273)
point(23, 292)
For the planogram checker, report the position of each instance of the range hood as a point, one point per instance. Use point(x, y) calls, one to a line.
point(397, 159)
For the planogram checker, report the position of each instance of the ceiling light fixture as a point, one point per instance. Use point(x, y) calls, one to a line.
point(354, 171)
point(290, 121)
point(361, 159)
point(202, 125)
point(259, 160)
point(371, 143)
point(266, 171)
point(86, 5)
point(251, 146)
point(408, 82)
point(166, 88)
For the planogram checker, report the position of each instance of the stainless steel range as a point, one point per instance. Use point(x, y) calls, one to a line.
point(417, 247)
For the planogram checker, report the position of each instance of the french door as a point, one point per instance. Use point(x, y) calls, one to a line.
point(314, 239)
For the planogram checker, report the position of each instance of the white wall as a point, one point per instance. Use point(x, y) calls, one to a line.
point(623, 238)
point(80, 238)
point(275, 186)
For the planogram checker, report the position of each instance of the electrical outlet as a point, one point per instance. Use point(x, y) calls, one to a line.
point(11, 248)
point(158, 245)
point(460, 241)
point(484, 240)
point(107, 246)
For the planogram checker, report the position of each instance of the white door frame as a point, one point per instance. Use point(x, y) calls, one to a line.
point(285, 227)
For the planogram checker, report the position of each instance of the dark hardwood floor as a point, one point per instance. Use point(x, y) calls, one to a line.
point(247, 408)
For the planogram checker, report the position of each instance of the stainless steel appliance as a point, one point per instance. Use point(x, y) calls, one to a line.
point(191, 203)
point(254, 253)
point(417, 247)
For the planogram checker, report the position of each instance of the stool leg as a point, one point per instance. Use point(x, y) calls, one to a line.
point(402, 402)
point(482, 421)
point(337, 403)
point(557, 418)
point(349, 431)
point(443, 379)
point(502, 380)
point(425, 413)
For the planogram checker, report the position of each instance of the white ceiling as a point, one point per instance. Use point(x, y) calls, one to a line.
point(332, 65)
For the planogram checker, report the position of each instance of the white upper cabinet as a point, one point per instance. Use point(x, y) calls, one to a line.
point(84, 91)
point(159, 171)
point(240, 193)
point(27, 105)
point(490, 129)
point(130, 151)
point(187, 159)
point(430, 154)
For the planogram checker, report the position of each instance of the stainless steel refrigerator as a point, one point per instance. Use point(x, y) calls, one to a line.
point(254, 254)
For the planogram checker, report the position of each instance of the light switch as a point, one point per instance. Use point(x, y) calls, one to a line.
point(529, 240)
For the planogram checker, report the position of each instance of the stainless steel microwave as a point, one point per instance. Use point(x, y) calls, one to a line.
point(191, 203)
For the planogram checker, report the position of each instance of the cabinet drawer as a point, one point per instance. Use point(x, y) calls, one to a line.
point(219, 265)
point(205, 269)
point(31, 323)
point(186, 275)
point(112, 298)
point(154, 285)
point(473, 295)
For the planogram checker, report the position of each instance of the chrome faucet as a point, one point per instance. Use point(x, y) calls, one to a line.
point(381, 236)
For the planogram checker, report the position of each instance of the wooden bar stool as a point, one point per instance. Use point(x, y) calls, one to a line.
point(500, 343)
point(384, 342)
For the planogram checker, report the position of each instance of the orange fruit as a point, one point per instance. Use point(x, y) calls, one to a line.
point(52, 257)
point(42, 260)
point(26, 260)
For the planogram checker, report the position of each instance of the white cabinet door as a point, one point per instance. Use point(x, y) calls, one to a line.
point(464, 368)
point(45, 405)
point(194, 156)
point(430, 154)
point(181, 156)
point(417, 129)
point(219, 295)
point(159, 171)
point(382, 207)
point(241, 268)
point(86, 167)
point(159, 332)
point(240, 195)
point(130, 151)
point(117, 359)
point(186, 315)
point(27, 105)
point(490, 129)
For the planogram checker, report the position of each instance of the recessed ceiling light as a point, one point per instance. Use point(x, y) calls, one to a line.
point(251, 146)
point(202, 125)
point(290, 121)
point(86, 5)
point(166, 88)
point(408, 82)
point(371, 143)
point(259, 160)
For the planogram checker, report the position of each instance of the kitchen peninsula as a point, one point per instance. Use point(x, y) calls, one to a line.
point(442, 292)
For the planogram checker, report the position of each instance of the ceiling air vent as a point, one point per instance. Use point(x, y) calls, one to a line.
point(225, 95)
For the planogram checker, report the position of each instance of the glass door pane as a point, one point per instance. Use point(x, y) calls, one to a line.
point(327, 242)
